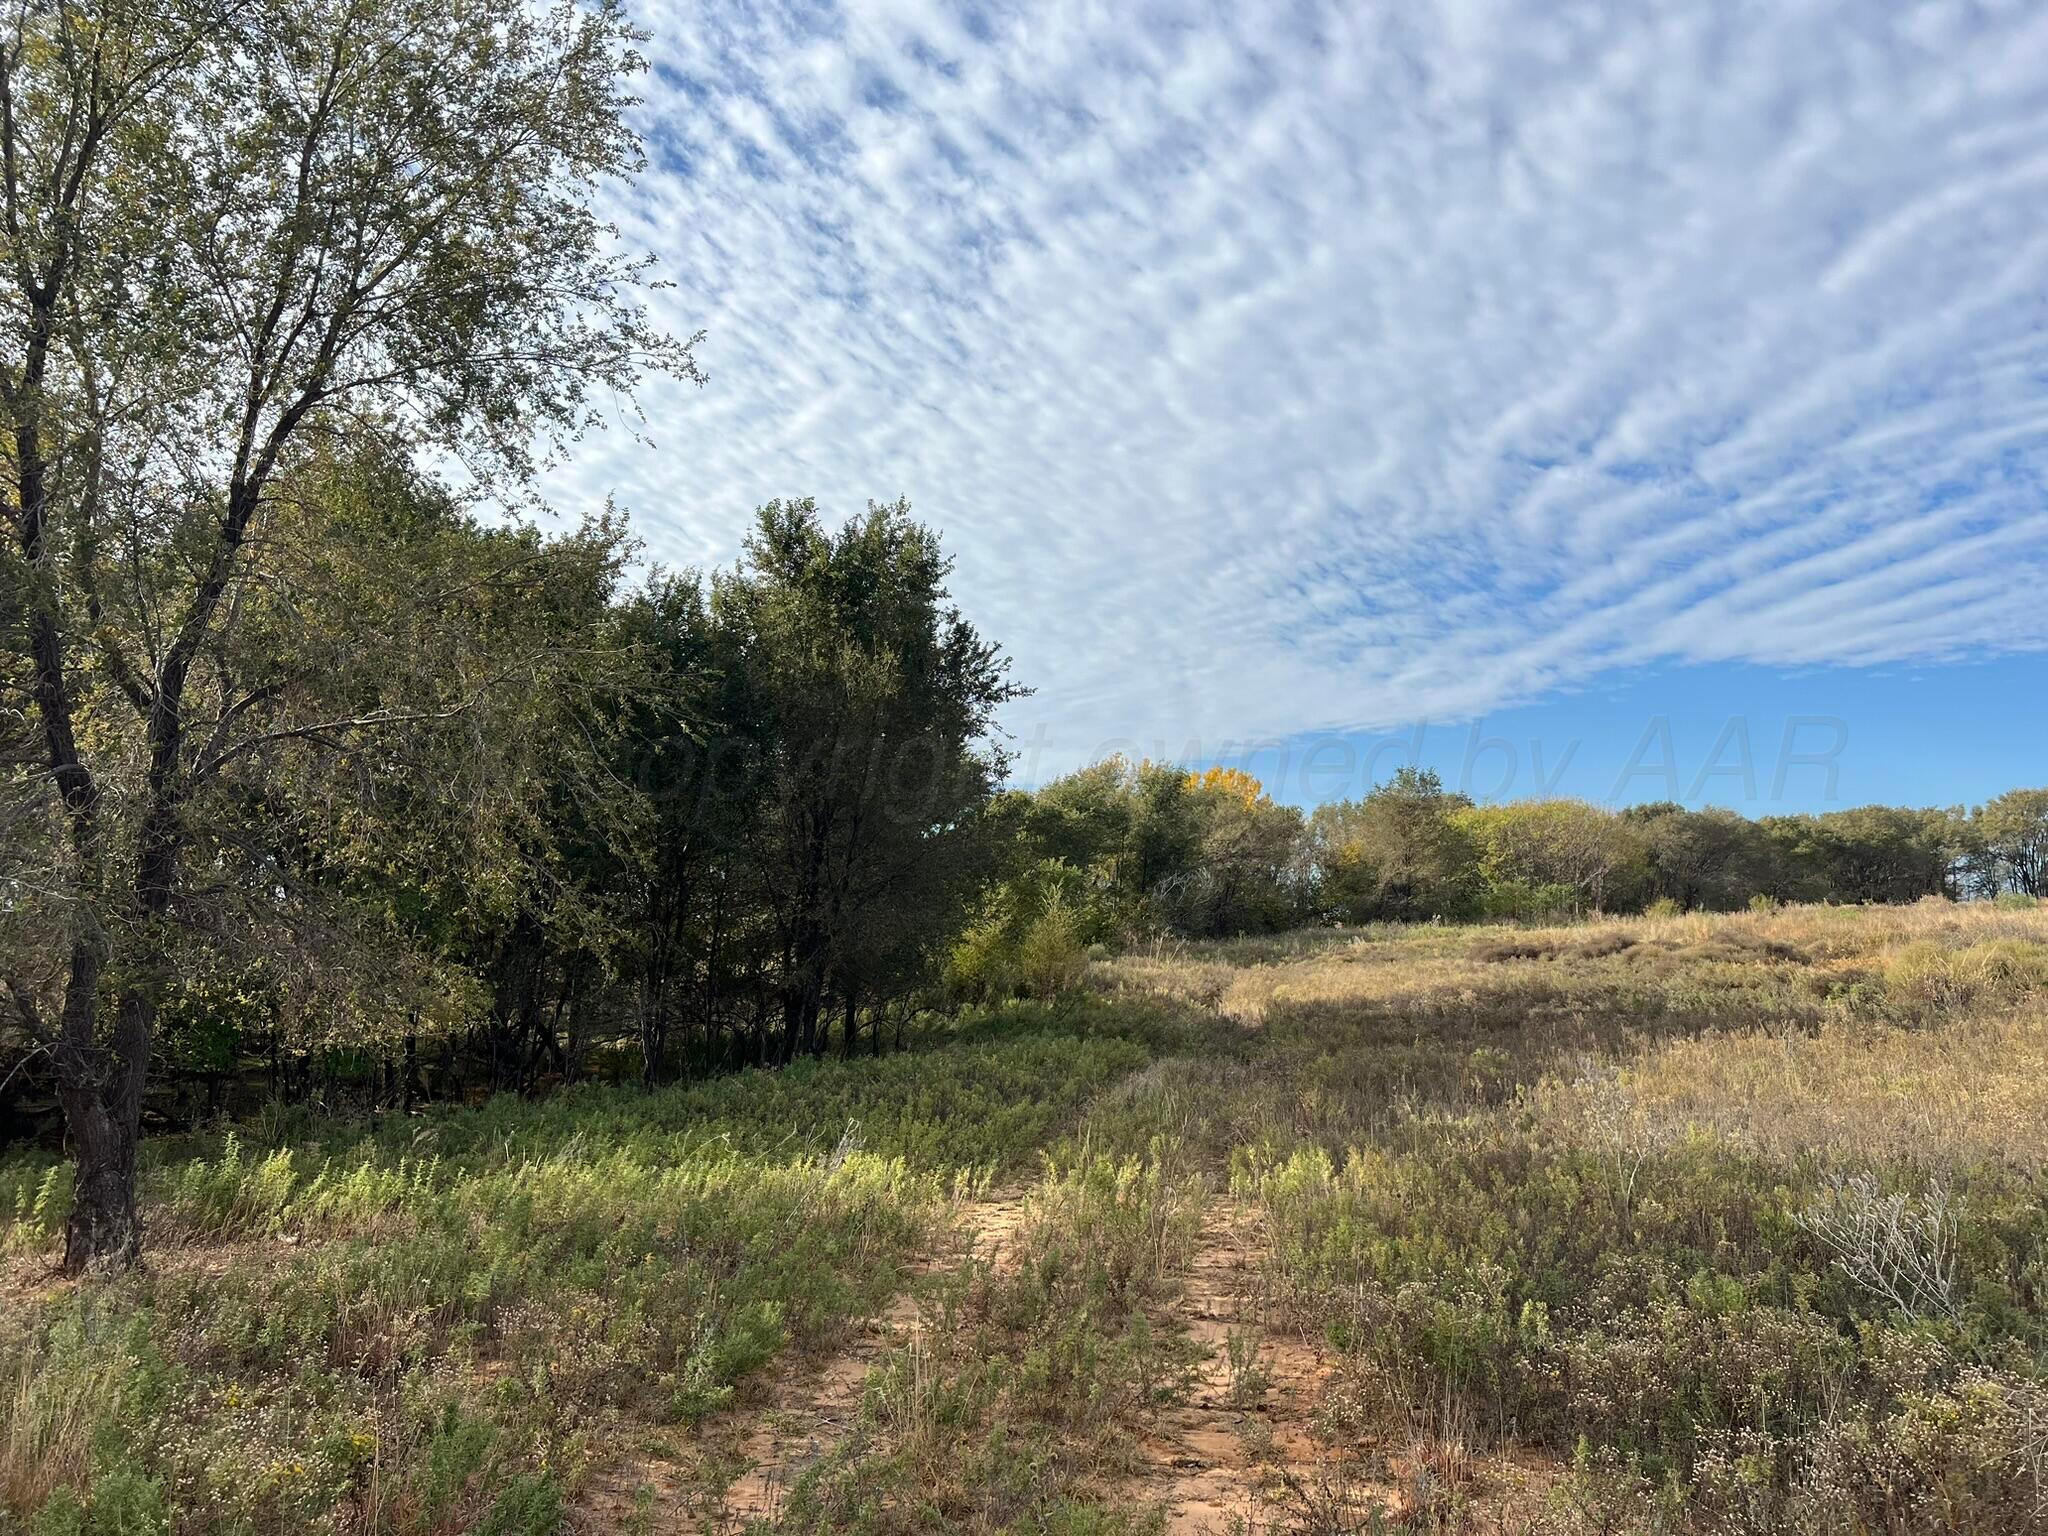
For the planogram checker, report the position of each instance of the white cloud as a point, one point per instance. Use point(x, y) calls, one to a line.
point(1274, 369)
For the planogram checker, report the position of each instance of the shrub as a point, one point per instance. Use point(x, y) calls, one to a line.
point(41, 1203)
point(1901, 1250)
point(1051, 959)
point(1118, 1224)
point(981, 966)
point(126, 1503)
point(231, 1194)
point(1968, 1457)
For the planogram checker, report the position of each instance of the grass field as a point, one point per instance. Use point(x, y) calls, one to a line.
point(1714, 1224)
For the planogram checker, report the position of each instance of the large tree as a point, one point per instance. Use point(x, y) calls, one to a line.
point(2012, 842)
point(861, 718)
point(1399, 854)
point(233, 232)
point(1712, 859)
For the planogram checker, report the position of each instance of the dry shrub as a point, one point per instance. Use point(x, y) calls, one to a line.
point(1170, 973)
point(1971, 1458)
point(1900, 1249)
point(1612, 941)
point(1609, 941)
point(1744, 944)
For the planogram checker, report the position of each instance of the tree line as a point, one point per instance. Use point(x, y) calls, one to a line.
point(1123, 850)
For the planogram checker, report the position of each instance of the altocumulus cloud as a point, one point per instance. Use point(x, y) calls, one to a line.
point(1275, 368)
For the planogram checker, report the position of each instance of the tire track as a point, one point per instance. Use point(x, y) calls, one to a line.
point(811, 1408)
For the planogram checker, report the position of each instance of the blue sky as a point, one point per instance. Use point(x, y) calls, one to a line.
point(1762, 740)
point(1301, 373)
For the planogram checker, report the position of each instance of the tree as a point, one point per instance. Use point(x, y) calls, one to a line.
point(1082, 818)
point(670, 874)
point(1711, 859)
point(1589, 858)
point(232, 233)
point(864, 708)
point(1134, 829)
point(1399, 855)
point(1874, 853)
point(2012, 834)
point(1243, 874)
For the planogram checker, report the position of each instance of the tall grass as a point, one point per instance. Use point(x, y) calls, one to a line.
point(1735, 1224)
point(1036, 1378)
point(403, 1325)
point(1742, 1218)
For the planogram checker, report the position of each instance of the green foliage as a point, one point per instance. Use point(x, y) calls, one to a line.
point(1205, 855)
point(1031, 939)
point(126, 1503)
point(1399, 855)
point(1135, 849)
point(38, 1197)
point(1559, 851)
point(2007, 848)
point(608, 1249)
point(1113, 1228)
point(270, 647)
point(1051, 957)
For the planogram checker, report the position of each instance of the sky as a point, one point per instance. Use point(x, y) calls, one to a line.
point(1654, 387)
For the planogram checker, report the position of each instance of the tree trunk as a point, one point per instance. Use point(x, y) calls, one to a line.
point(653, 1029)
point(102, 1096)
point(409, 1089)
point(103, 1230)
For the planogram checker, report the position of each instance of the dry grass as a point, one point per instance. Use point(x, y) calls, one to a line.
point(1945, 952)
point(47, 1440)
point(1911, 1035)
point(1973, 1092)
point(1495, 1163)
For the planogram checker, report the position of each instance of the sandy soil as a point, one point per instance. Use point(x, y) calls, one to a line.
point(811, 1406)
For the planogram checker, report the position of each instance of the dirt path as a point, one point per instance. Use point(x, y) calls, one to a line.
point(669, 1486)
point(1262, 1447)
point(1215, 1462)
point(820, 1408)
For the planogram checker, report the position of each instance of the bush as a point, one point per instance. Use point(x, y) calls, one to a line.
point(1052, 957)
point(981, 965)
point(41, 1203)
point(123, 1503)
